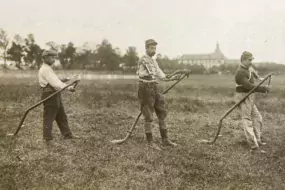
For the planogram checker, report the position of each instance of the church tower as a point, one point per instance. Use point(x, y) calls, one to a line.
point(217, 50)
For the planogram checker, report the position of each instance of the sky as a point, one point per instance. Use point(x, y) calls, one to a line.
point(179, 26)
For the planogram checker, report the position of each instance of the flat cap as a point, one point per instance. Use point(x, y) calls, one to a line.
point(49, 53)
point(246, 55)
point(150, 42)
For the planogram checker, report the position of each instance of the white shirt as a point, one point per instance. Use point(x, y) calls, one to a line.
point(147, 66)
point(47, 76)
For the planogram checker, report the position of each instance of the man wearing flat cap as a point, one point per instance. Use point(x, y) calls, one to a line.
point(53, 108)
point(150, 97)
point(251, 120)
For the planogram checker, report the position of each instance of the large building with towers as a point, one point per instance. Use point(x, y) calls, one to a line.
point(209, 60)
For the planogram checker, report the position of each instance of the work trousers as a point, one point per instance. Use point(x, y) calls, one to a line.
point(250, 119)
point(152, 100)
point(54, 110)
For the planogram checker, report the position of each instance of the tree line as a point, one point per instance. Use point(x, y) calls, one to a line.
point(25, 51)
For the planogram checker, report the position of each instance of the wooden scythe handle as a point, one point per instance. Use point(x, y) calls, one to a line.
point(236, 105)
point(39, 103)
point(164, 92)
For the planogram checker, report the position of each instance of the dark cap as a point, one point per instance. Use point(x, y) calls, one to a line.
point(150, 42)
point(246, 55)
point(49, 53)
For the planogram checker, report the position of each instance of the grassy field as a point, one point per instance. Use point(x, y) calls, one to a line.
point(101, 111)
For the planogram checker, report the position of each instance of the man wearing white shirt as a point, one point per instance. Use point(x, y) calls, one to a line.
point(53, 108)
point(151, 99)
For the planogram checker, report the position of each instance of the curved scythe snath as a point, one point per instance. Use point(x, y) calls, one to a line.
point(232, 108)
point(120, 141)
point(74, 83)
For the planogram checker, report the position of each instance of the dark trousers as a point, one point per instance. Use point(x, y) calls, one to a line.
point(54, 110)
point(152, 100)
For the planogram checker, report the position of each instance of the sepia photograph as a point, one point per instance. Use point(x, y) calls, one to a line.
point(153, 94)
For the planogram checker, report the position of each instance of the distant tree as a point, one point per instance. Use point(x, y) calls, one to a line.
point(34, 52)
point(107, 57)
point(162, 61)
point(159, 56)
point(167, 64)
point(82, 56)
point(4, 42)
point(62, 56)
point(16, 53)
point(197, 69)
point(265, 68)
point(131, 57)
point(214, 70)
point(228, 68)
point(18, 39)
point(53, 46)
point(70, 53)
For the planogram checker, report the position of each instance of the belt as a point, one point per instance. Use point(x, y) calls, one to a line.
point(48, 88)
point(240, 89)
point(147, 79)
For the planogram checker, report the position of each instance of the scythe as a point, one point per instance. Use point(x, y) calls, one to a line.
point(74, 83)
point(120, 141)
point(233, 107)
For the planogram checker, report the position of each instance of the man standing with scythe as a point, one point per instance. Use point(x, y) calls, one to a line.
point(53, 108)
point(251, 119)
point(151, 99)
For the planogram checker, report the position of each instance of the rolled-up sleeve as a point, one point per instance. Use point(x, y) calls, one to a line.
point(144, 67)
point(160, 74)
point(53, 80)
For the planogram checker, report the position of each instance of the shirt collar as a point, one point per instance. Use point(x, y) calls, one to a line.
point(148, 56)
point(46, 65)
point(243, 66)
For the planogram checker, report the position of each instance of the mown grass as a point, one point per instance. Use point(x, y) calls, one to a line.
point(101, 111)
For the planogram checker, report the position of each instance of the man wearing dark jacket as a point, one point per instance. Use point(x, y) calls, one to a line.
point(251, 120)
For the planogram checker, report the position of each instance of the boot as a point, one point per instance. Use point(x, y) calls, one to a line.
point(150, 142)
point(165, 140)
point(49, 143)
point(260, 143)
point(52, 144)
point(71, 136)
point(257, 150)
